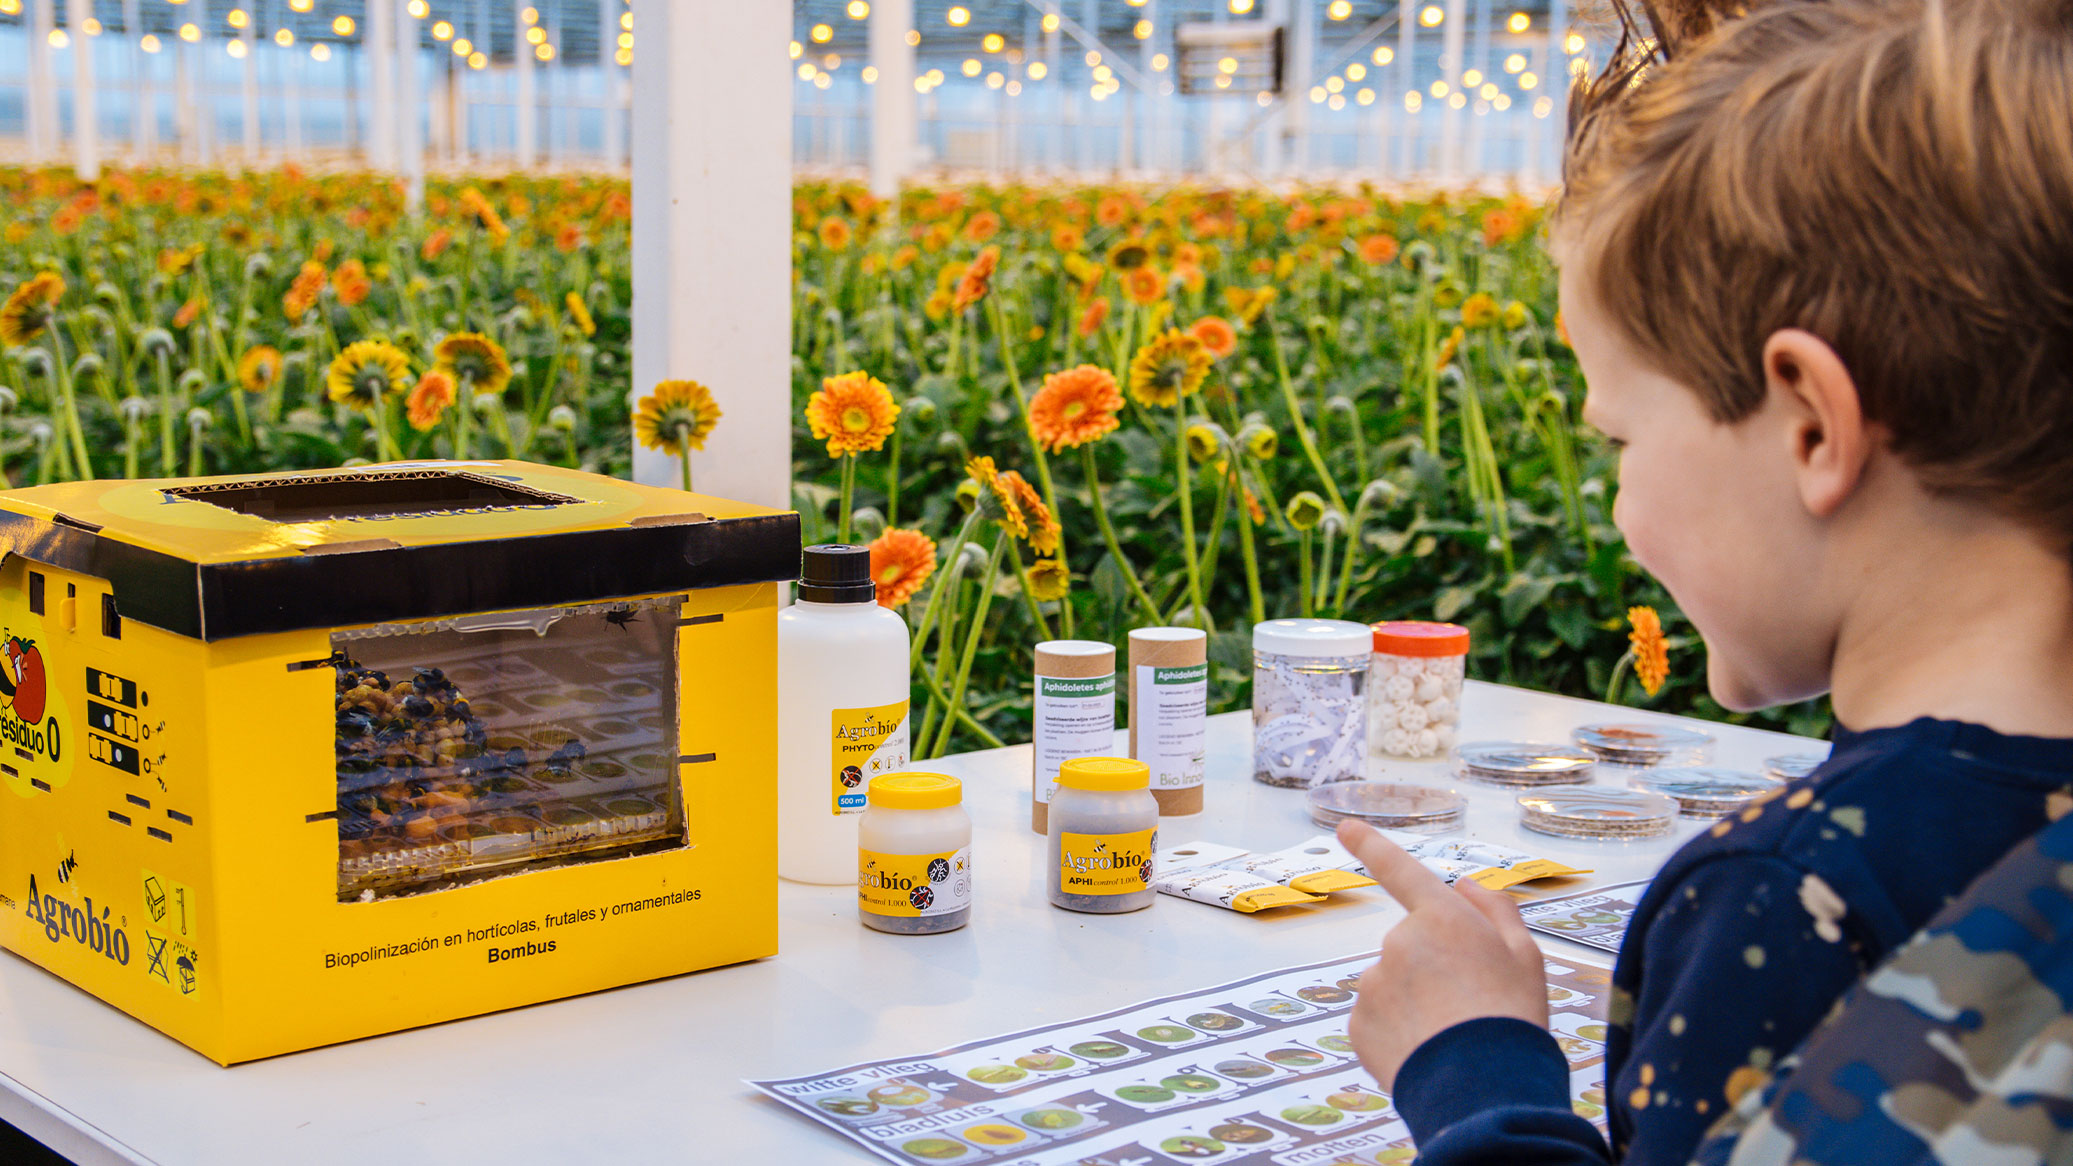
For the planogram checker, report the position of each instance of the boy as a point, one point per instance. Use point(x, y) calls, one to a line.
point(1818, 271)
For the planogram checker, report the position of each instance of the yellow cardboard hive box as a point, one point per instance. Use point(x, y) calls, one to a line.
point(295, 759)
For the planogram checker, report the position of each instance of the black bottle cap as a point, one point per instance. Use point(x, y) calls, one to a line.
point(837, 573)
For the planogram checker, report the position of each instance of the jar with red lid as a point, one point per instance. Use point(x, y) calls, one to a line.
point(1414, 688)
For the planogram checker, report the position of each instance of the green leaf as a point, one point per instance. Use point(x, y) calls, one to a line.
point(1452, 601)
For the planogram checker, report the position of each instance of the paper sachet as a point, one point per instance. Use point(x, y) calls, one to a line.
point(1205, 872)
point(1453, 859)
point(1318, 867)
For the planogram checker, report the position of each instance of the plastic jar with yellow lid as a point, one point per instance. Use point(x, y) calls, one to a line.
point(1104, 830)
point(914, 855)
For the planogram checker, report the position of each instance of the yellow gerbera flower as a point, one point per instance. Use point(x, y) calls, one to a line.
point(366, 374)
point(1049, 579)
point(675, 414)
point(579, 314)
point(1479, 310)
point(259, 368)
point(853, 413)
point(474, 361)
point(31, 308)
point(1171, 367)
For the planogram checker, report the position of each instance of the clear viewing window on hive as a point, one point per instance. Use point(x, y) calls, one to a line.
point(490, 744)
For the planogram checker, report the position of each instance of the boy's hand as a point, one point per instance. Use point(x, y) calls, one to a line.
point(1463, 953)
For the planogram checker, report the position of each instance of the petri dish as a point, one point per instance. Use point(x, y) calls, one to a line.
point(1639, 744)
point(1597, 813)
point(1792, 766)
point(1524, 763)
point(1702, 792)
point(1418, 808)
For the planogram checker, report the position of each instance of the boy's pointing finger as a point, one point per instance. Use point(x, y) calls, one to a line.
point(1409, 883)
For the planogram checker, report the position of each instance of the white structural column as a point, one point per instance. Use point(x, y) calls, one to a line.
point(410, 109)
point(377, 40)
point(1302, 65)
point(1479, 60)
point(1406, 84)
point(288, 68)
point(1554, 82)
point(1054, 80)
point(614, 86)
point(41, 97)
point(86, 123)
point(248, 89)
point(892, 96)
point(143, 102)
point(1451, 67)
point(528, 112)
point(1151, 141)
point(712, 229)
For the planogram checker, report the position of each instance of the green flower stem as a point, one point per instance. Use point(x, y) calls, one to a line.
point(1353, 529)
point(131, 436)
point(945, 573)
point(971, 649)
point(1187, 512)
point(1108, 533)
point(1295, 415)
point(384, 446)
point(892, 480)
point(164, 367)
point(1432, 382)
point(936, 696)
point(1303, 568)
point(1324, 565)
point(1036, 612)
point(1212, 545)
point(1257, 601)
point(1043, 464)
point(684, 457)
point(237, 407)
point(61, 370)
point(849, 484)
point(1619, 675)
point(953, 579)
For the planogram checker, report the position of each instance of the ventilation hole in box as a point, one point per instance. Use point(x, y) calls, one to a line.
point(384, 494)
point(179, 817)
point(137, 801)
point(157, 833)
point(122, 818)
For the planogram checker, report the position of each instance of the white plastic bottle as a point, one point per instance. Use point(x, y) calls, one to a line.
point(841, 711)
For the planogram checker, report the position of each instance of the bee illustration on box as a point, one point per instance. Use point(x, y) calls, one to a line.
point(67, 865)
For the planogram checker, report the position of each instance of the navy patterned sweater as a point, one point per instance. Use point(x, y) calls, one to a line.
point(1744, 942)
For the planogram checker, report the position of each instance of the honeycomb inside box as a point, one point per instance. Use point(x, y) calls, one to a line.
point(472, 747)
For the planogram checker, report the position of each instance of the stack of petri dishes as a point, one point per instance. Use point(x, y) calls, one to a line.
point(1634, 745)
point(1420, 809)
point(1702, 792)
point(1598, 814)
point(1523, 764)
point(1792, 766)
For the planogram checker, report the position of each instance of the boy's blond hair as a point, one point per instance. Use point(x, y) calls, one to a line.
point(1894, 176)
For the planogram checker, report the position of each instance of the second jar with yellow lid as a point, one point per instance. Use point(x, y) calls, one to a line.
point(1104, 831)
point(914, 855)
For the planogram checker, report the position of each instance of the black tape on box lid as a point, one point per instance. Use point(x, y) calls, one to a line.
point(217, 601)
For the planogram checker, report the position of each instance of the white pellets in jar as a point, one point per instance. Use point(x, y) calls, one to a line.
point(1415, 676)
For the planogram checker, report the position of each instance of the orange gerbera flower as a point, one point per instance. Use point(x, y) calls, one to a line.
point(1143, 285)
point(1042, 530)
point(835, 234)
point(1651, 650)
point(853, 413)
point(1450, 348)
point(428, 400)
point(188, 312)
point(1074, 407)
point(976, 280)
point(1004, 500)
point(1217, 335)
point(351, 282)
point(901, 561)
point(1092, 319)
point(1067, 237)
point(302, 294)
point(982, 226)
point(1501, 226)
point(1171, 367)
point(1378, 248)
point(436, 244)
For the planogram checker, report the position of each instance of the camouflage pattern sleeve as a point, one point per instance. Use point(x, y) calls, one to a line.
point(1958, 1049)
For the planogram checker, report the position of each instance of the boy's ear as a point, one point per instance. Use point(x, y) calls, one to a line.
point(1828, 437)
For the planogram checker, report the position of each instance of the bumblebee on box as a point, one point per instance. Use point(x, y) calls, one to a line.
point(447, 737)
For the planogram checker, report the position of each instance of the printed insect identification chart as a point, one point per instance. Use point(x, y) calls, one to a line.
point(1593, 918)
point(1257, 1071)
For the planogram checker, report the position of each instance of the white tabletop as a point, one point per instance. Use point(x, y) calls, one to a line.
point(653, 1072)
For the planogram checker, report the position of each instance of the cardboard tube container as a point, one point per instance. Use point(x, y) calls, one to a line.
point(1074, 714)
point(1169, 712)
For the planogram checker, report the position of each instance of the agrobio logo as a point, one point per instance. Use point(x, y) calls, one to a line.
point(24, 691)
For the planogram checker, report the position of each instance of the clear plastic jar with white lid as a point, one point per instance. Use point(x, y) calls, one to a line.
point(1309, 705)
point(1414, 688)
point(914, 855)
